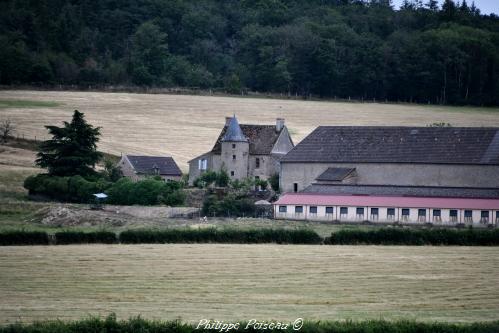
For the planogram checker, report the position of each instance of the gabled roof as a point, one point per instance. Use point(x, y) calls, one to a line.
point(234, 132)
point(335, 174)
point(262, 138)
point(368, 144)
point(166, 166)
point(402, 190)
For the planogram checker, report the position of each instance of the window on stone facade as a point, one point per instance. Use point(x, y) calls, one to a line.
point(453, 213)
point(360, 211)
point(437, 213)
point(343, 210)
point(232, 173)
point(421, 212)
point(203, 164)
point(374, 211)
point(313, 209)
point(295, 187)
point(298, 209)
point(233, 157)
point(283, 209)
point(233, 146)
point(257, 162)
point(329, 210)
point(390, 212)
point(468, 213)
point(405, 212)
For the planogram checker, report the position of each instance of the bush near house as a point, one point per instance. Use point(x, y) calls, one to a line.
point(124, 192)
point(146, 192)
point(68, 189)
point(229, 206)
point(392, 236)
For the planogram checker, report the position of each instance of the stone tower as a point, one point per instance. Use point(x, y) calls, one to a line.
point(235, 150)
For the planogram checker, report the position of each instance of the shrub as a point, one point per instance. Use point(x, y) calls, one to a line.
point(24, 238)
point(146, 192)
point(228, 206)
point(72, 189)
point(393, 236)
point(274, 182)
point(210, 177)
point(79, 237)
point(279, 236)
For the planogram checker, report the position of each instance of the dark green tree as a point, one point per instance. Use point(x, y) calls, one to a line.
point(72, 149)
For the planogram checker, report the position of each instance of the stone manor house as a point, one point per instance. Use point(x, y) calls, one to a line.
point(245, 151)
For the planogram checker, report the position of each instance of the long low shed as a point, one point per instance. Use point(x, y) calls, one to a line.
point(387, 209)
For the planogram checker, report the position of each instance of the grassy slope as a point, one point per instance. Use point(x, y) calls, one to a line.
point(237, 282)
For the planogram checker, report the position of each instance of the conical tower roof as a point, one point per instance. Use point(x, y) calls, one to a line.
point(234, 132)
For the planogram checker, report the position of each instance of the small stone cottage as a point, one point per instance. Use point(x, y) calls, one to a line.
point(139, 167)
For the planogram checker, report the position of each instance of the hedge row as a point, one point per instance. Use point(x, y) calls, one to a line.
point(79, 237)
point(280, 236)
point(384, 236)
point(111, 325)
point(24, 238)
point(392, 236)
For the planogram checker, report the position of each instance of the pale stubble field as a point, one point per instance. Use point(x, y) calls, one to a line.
point(240, 282)
point(186, 126)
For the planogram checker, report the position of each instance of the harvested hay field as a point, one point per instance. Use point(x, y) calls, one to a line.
point(186, 126)
point(240, 282)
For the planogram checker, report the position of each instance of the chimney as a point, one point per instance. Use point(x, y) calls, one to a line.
point(227, 120)
point(279, 124)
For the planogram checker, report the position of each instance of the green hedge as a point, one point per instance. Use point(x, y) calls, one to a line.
point(151, 191)
point(134, 325)
point(211, 235)
point(79, 237)
point(24, 238)
point(399, 236)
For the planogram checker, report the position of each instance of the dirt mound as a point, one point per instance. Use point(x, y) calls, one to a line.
point(62, 215)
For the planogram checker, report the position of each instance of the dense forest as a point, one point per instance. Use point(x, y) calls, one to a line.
point(358, 49)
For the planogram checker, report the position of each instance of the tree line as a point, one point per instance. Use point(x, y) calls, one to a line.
point(358, 49)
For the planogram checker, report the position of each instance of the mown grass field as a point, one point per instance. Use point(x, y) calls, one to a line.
point(186, 126)
point(240, 282)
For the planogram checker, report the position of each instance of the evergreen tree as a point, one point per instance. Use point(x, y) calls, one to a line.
point(72, 149)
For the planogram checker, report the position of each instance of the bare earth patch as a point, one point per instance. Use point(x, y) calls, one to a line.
point(186, 126)
point(240, 282)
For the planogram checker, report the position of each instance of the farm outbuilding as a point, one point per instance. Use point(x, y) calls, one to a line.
point(138, 167)
point(388, 209)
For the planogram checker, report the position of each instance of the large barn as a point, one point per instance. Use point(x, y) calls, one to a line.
point(393, 174)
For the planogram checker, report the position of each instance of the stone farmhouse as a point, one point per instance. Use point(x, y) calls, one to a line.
point(245, 151)
point(444, 175)
point(139, 167)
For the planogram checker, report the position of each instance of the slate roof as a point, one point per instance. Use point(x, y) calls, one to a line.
point(262, 138)
point(335, 174)
point(393, 190)
point(428, 145)
point(147, 164)
point(234, 132)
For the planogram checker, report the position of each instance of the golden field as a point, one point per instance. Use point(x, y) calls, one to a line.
point(186, 126)
point(240, 282)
